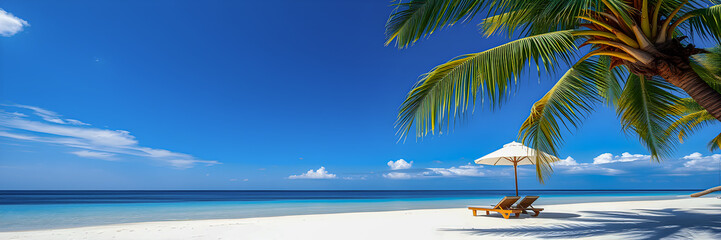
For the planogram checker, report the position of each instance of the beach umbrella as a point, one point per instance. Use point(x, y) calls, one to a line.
point(515, 154)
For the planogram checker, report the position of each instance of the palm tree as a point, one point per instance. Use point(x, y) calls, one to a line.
point(638, 61)
point(692, 118)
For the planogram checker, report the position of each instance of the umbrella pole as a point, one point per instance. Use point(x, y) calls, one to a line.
point(515, 172)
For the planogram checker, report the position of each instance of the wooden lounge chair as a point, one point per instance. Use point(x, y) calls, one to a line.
point(503, 207)
point(525, 206)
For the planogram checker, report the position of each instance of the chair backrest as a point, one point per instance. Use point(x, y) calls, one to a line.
point(526, 202)
point(507, 202)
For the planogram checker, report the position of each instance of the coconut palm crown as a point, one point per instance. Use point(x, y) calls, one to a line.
point(632, 55)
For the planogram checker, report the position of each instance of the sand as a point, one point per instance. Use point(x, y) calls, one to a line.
point(687, 218)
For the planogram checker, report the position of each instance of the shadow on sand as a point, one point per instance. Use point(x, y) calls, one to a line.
point(638, 224)
point(554, 215)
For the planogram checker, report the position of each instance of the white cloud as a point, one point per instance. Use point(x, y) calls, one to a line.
point(189, 163)
point(76, 122)
point(357, 177)
point(585, 168)
point(97, 142)
point(9, 24)
point(321, 173)
point(400, 164)
point(698, 162)
point(693, 156)
point(569, 165)
point(461, 171)
point(469, 170)
point(93, 154)
point(625, 157)
point(397, 175)
point(96, 136)
point(18, 136)
point(569, 161)
point(603, 158)
point(47, 115)
point(15, 114)
point(626, 163)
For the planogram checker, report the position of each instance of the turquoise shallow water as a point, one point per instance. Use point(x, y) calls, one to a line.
point(28, 210)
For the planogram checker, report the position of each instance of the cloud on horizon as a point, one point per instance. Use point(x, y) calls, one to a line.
point(397, 175)
point(400, 164)
point(321, 173)
point(626, 163)
point(569, 165)
point(625, 157)
point(89, 142)
point(604, 164)
point(468, 170)
point(10, 24)
point(697, 162)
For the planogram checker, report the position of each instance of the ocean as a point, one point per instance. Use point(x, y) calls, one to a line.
point(30, 210)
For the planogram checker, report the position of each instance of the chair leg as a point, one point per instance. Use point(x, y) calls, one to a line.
point(487, 213)
point(517, 215)
point(506, 215)
point(474, 213)
point(536, 215)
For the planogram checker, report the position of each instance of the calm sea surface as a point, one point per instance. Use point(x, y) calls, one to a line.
point(28, 210)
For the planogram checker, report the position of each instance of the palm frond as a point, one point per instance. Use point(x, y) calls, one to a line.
point(415, 19)
point(622, 10)
point(708, 67)
point(707, 22)
point(686, 106)
point(535, 17)
point(454, 85)
point(715, 143)
point(567, 103)
point(690, 122)
point(692, 118)
point(646, 108)
point(508, 22)
point(611, 90)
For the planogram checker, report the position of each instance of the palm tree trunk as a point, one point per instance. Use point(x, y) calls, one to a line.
point(695, 87)
point(707, 191)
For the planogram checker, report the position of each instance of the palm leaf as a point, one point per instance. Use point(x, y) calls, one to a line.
point(707, 22)
point(567, 103)
point(455, 85)
point(691, 122)
point(715, 143)
point(415, 19)
point(693, 118)
point(646, 108)
point(708, 67)
point(535, 17)
point(612, 89)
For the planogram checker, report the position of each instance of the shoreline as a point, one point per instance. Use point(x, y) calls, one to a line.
point(29, 217)
point(697, 217)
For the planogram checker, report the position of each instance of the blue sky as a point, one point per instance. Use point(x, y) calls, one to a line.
point(253, 95)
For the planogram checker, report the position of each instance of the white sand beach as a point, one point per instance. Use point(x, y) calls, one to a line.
point(687, 218)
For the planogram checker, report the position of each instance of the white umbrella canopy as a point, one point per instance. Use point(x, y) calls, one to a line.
point(513, 154)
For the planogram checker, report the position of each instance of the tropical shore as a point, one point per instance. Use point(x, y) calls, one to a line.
point(688, 218)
